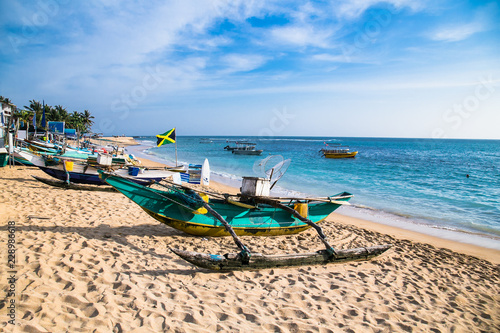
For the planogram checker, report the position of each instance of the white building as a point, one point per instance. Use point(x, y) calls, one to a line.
point(5, 114)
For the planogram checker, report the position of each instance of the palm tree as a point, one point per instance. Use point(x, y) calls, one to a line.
point(35, 107)
point(87, 120)
point(5, 100)
point(81, 121)
point(58, 113)
point(23, 115)
point(75, 121)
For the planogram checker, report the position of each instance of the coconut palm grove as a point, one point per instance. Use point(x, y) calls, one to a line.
point(80, 121)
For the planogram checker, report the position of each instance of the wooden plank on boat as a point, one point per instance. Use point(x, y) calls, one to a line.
point(233, 261)
point(71, 186)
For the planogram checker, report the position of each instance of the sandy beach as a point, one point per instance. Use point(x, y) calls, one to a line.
point(90, 261)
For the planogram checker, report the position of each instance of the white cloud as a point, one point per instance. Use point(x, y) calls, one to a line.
point(110, 45)
point(242, 63)
point(102, 51)
point(482, 20)
point(352, 9)
point(331, 58)
point(209, 43)
point(457, 33)
point(301, 36)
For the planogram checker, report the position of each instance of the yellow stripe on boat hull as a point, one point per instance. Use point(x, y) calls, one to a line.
point(197, 229)
point(342, 155)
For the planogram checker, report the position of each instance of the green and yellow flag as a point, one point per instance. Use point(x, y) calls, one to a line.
point(167, 137)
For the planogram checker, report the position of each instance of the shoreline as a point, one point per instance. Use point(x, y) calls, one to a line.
point(483, 252)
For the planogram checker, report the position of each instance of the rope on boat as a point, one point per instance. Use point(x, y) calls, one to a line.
point(245, 252)
point(172, 200)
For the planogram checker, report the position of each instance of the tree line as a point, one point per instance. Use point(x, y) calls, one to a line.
point(80, 121)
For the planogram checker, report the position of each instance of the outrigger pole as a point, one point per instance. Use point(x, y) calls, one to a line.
point(245, 252)
point(248, 261)
point(277, 204)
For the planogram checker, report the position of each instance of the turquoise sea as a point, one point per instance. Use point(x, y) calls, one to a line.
point(416, 184)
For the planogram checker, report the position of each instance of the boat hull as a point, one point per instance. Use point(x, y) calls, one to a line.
point(341, 155)
point(200, 229)
point(173, 210)
point(4, 157)
point(92, 177)
point(71, 186)
point(74, 177)
point(247, 152)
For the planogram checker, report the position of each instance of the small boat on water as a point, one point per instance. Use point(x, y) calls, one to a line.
point(244, 148)
point(338, 151)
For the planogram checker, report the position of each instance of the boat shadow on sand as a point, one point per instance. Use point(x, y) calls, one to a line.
point(154, 233)
point(156, 239)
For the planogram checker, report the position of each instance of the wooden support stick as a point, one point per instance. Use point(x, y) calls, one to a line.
point(277, 204)
point(244, 250)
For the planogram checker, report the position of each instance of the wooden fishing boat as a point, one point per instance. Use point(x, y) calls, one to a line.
point(82, 172)
point(187, 210)
point(194, 212)
point(177, 208)
point(89, 174)
point(338, 151)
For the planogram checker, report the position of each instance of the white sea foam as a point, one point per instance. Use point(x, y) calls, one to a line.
point(421, 226)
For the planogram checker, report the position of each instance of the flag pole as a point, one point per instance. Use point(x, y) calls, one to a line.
point(43, 119)
point(175, 152)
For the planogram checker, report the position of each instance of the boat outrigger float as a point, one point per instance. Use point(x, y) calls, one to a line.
point(234, 261)
point(204, 213)
point(245, 260)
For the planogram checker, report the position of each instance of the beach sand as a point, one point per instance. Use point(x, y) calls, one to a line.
point(95, 262)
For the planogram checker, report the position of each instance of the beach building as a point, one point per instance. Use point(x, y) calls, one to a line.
point(5, 113)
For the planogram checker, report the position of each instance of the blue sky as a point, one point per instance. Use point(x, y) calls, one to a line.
point(397, 68)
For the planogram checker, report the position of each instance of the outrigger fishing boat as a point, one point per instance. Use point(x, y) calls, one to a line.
point(204, 213)
point(79, 171)
point(178, 207)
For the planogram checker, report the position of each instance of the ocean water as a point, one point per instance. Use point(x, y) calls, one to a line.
point(416, 184)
